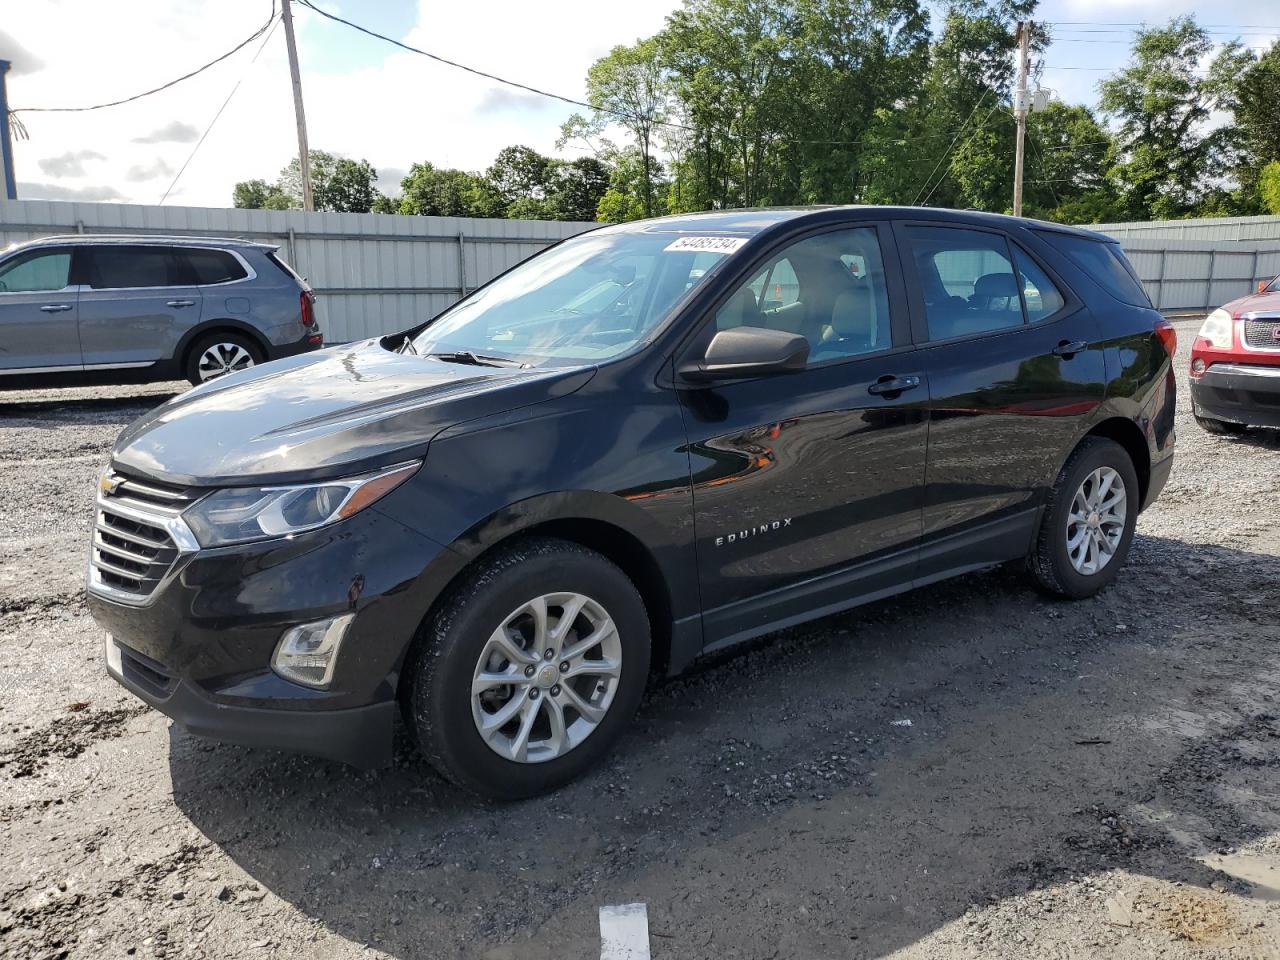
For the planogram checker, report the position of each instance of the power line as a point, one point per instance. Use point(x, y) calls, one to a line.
point(273, 23)
point(164, 86)
point(952, 144)
point(491, 76)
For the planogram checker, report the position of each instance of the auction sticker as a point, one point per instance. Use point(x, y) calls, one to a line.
point(724, 245)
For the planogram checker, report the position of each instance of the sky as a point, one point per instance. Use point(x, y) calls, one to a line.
point(369, 100)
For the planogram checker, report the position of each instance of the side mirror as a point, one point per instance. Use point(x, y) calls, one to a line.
point(749, 352)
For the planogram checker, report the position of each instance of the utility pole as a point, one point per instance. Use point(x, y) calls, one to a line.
point(304, 155)
point(1019, 110)
point(6, 142)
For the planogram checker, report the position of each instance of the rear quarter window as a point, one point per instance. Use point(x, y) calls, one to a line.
point(1104, 262)
point(215, 266)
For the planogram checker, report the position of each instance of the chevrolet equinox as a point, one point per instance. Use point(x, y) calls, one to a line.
point(648, 442)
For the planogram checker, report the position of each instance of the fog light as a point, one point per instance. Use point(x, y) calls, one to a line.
point(307, 654)
point(1197, 366)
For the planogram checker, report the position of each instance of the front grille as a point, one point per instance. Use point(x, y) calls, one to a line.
point(133, 548)
point(1262, 334)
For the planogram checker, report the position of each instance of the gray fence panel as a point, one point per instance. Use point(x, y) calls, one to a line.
point(374, 273)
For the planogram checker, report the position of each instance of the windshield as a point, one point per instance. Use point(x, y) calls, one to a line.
point(587, 299)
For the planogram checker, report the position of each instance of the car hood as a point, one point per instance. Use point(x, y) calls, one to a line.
point(1266, 303)
point(336, 411)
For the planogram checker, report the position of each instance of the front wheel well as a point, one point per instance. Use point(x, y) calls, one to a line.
point(195, 337)
point(1126, 433)
point(618, 545)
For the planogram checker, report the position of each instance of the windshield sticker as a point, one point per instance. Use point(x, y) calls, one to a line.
point(725, 245)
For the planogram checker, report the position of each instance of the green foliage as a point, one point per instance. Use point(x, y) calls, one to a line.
point(336, 184)
point(1269, 187)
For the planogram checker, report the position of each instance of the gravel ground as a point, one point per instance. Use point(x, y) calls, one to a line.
point(1094, 779)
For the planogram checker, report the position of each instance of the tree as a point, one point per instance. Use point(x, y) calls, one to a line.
point(1269, 187)
point(260, 195)
point(629, 88)
point(437, 192)
point(575, 189)
point(1168, 158)
point(1257, 117)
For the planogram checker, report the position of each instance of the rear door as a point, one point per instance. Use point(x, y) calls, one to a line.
point(38, 313)
point(136, 303)
point(807, 486)
point(1014, 373)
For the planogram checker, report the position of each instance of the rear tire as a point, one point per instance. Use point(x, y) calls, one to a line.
point(1085, 533)
point(218, 354)
point(1220, 427)
point(488, 627)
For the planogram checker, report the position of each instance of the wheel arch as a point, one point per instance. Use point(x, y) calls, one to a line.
point(1125, 432)
point(607, 524)
point(182, 355)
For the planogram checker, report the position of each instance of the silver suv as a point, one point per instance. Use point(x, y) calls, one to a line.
point(84, 309)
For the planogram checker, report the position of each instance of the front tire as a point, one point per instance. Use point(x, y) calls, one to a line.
point(1088, 525)
point(1220, 427)
point(530, 670)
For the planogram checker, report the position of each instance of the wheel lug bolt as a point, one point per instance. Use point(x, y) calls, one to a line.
point(555, 690)
point(528, 671)
point(564, 667)
point(533, 694)
point(549, 654)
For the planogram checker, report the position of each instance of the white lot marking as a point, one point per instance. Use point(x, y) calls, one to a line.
point(624, 932)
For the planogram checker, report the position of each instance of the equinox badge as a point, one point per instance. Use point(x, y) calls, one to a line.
point(754, 531)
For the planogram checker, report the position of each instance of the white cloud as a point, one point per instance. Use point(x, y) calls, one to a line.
point(173, 132)
point(140, 173)
point(396, 109)
point(57, 191)
point(69, 164)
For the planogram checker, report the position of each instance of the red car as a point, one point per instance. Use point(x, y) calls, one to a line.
point(1235, 364)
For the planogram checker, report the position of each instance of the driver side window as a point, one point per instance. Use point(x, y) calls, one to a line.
point(36, 273)
point(828, 288)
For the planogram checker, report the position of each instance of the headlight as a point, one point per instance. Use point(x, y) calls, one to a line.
point(1216, 329)
point(243, 514)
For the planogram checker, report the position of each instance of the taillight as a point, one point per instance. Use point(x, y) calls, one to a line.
point(307, 299)
point(1168, 336)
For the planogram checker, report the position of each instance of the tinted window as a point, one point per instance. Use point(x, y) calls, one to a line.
point(830, 289)
point(214, 266)
point(1039, 295)
point(114, 267)
point(40, 271)
point(1104, 263)
point(968, 281)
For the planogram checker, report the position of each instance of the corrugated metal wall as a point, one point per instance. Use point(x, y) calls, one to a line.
point(1193, 275)
point(374, 273)
point(1203, 228)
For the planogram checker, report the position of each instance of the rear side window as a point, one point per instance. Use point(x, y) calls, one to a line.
point(1105, 263)
point(1041, 297)
point(113, 268)
point(214, 266)
point(46, 270)
point(968, 281)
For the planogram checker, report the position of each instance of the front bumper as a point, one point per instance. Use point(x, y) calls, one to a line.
point(1238, 393)
point(199, 647)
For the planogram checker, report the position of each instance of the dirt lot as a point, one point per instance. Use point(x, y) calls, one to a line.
point(1098, 779)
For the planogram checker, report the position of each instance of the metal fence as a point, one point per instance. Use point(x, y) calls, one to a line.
point(1195, 275)
point(374, 273)
point(1235, 229)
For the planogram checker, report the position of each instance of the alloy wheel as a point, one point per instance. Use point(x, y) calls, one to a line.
point(1095, 522)
point(223, 358)
point(546, 677)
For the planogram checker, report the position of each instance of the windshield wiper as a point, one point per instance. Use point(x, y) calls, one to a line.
point(475, 359)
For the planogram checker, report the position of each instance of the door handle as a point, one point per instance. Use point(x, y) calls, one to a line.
point(55, 307)
point(180, 303)
point(1069, 348)
point(890, 384)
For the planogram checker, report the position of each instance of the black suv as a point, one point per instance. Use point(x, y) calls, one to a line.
point(646, 443)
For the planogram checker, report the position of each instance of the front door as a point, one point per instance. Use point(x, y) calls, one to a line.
point(807, 485)
point(1014, 372)
point(38, 314)
point(136, 304)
